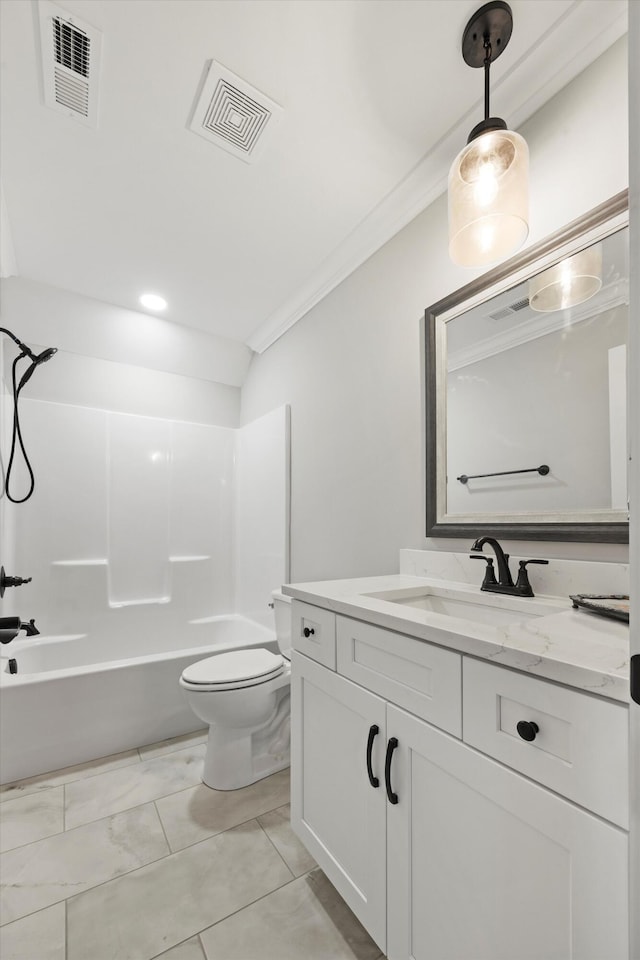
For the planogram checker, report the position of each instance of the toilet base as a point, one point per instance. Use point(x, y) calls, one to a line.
point(236, 758)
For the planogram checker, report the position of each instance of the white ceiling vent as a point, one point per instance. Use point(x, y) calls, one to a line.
point(234, 115)
point(70, 63)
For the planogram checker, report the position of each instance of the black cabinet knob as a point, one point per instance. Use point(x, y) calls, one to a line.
point(527, 729)
point(308, 631)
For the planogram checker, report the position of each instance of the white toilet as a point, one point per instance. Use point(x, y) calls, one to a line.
point(244, 697)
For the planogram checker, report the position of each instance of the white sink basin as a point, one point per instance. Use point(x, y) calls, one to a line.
point(498, 611)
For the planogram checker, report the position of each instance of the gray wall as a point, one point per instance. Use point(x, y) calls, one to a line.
point(351, 368)
point(513, 410)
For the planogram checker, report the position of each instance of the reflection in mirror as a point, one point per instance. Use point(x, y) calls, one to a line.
point(526, 393)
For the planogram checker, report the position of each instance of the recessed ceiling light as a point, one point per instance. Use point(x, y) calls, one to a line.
point(153, 302)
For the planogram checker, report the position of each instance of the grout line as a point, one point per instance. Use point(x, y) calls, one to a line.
point(64, 808)
point(66, 932)
point(251, 903)
point(273, 844)
point(90, 776)
point(158, 859)
point(142, 866)
point(201, 944)
point(71, 779)
point(164, 832)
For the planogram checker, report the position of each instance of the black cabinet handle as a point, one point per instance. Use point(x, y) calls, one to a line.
point(392, 744)
point(374, 730)
point(527, 729)
point(308, 631)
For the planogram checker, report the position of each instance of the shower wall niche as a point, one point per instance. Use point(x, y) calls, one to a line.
point(142, 522)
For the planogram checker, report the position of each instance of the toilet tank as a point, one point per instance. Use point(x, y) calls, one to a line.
point(282, 614)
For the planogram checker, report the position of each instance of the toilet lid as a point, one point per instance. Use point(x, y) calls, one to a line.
point(235, 667)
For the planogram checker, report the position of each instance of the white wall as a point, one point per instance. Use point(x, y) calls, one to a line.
point(351, 369)
point(39, 313)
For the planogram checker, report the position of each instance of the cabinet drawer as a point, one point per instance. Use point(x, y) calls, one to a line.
point(313, 632)
point(579, 748)
point(421, 677)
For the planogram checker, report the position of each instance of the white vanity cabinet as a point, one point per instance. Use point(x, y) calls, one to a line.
point(335, 811)
point(474, 860)
point(484, 864)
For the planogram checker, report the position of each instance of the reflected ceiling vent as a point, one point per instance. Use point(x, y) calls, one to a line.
point(509, 311)
point(70, 51)
point(234, 115)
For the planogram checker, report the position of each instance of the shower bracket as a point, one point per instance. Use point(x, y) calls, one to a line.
point(7, 581)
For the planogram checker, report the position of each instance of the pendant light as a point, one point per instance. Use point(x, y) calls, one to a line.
point(568, 283)
point(488, 181)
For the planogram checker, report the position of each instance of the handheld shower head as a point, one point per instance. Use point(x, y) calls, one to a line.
point(16, 434)
point(35, 361)
point(45, 355)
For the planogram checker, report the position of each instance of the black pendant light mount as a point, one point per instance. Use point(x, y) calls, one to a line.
point(485, 37)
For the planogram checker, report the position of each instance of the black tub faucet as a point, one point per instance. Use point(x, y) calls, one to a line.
point(10, 627)
point(504, 583)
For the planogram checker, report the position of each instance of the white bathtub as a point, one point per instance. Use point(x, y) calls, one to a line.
point(76, 698)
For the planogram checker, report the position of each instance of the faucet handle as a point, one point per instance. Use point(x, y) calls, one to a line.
point(489, 576)
point(522, 583)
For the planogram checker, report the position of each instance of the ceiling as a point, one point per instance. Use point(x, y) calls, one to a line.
point(376, 101)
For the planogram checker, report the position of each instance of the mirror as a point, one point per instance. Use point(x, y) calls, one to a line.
point(525, 388)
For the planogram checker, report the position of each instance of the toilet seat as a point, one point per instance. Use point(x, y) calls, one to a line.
point(234, 670)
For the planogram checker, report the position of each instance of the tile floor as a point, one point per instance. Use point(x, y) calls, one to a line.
point(131, 857)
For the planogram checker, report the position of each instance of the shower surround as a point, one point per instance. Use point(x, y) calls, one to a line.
point(147, 539)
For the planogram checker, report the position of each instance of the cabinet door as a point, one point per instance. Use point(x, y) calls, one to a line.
point(335, 810)
point(486, 865)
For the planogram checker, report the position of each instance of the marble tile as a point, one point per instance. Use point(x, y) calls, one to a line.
point(201, 812)
point(152, 909)
point(47, 871)
point(277, 826)
point(30, 818)
point(163, 747)
point(117, 790)
point(40, 936)
point(44, 781)
point(306, 919)
point(189, 950)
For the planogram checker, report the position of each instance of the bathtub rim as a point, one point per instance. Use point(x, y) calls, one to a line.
point(263, 636)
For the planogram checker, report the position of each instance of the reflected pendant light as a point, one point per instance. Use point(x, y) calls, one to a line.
point(488, 180)
point(568, 283)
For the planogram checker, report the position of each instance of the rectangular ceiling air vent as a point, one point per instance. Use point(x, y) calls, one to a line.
point(505, 312)
point(233, 115)
point(70, 52)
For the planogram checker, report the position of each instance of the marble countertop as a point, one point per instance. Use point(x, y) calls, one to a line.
point(573, 647)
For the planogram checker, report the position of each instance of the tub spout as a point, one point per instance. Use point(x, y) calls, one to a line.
point(10, 627)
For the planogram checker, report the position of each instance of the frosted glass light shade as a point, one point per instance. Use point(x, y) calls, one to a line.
point(568, 283)
point(489, 199)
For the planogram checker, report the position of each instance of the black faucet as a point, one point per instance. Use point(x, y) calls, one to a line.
point(504, 583)
point(10, 627)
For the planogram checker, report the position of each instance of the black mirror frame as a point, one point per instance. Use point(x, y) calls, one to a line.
point(594, 532)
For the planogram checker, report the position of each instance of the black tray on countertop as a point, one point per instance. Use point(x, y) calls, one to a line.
point(613, 611)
